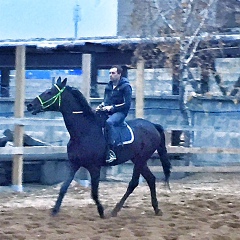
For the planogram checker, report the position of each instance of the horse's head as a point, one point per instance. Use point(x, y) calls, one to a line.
point(49, 100)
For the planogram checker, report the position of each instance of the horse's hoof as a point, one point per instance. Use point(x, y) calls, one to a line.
point(113, 214)
point(54, 212)
point(158, 212)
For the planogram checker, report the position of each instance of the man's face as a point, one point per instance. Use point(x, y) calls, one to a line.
point(114, 76)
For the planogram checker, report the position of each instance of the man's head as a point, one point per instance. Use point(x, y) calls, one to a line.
point(115, 73)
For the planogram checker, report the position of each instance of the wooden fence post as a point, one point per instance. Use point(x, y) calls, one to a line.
point(17, 171)
point(86, 68)
point(82, 174)
point(140, 89)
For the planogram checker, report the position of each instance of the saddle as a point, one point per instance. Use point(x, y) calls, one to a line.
point(123, 134)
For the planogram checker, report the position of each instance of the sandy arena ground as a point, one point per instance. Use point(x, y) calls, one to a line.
point(201, 206)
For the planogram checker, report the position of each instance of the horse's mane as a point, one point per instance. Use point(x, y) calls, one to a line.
point(86, 108)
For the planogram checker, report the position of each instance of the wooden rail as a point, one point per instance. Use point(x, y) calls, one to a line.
point(60, 152)
point(59, 122)
point(203, 169)
point(49, 153)
point(46, 153)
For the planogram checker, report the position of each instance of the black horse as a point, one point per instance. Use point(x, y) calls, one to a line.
point(87, 146)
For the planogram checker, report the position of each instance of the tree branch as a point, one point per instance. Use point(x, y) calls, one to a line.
point(162, 16)
point(205, 14)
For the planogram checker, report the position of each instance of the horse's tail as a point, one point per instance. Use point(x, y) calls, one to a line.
point(162, 151)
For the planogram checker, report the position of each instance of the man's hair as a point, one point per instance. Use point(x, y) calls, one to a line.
point(119, 68)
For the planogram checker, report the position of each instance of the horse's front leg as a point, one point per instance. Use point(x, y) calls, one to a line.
point(63, 191)
point(95, 177)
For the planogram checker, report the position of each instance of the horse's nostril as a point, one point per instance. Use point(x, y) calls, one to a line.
point(29, 106)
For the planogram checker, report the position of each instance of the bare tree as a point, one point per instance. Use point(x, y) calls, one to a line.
point(184, 29)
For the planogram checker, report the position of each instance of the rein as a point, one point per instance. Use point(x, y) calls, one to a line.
point(52, 100)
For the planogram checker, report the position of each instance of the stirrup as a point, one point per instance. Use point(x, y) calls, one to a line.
point(112, 156)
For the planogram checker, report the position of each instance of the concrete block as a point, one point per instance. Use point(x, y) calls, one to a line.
point(53, 172)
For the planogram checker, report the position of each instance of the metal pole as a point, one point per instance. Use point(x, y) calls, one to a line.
point(76, 19)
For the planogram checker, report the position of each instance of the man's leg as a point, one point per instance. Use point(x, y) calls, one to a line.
point(112, 121)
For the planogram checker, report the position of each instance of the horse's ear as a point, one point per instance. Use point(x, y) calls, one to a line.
point(64, 82)
point(59, 81)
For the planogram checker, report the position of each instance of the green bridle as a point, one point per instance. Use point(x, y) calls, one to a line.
point(52, 100)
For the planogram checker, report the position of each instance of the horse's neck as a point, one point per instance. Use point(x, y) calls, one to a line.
point(79, 121)
point(79, 125)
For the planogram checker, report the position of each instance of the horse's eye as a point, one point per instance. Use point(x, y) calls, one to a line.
point(48, 92)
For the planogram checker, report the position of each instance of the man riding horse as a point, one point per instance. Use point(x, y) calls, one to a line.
point(85, 131)
point(117, 102)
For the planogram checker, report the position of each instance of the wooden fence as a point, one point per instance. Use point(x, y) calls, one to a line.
point(60, 152)
point(19, 153)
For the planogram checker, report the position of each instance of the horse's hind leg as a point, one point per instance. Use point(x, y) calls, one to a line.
point(162, 151)
point(131, 186)
point(151, 181)
point(63, 190)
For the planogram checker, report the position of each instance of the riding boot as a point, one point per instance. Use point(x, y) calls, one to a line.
point(109, 132)
point(111, 156)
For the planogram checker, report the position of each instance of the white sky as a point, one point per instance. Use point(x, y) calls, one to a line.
point(25, 19)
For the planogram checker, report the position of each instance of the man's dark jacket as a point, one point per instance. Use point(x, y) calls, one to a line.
point(120, 97)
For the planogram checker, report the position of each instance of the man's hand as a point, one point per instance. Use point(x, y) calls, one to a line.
point(100, 107)
point(107, 108)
